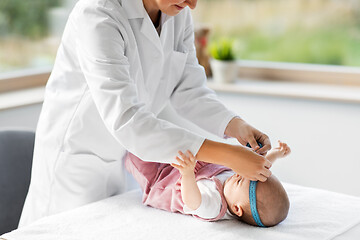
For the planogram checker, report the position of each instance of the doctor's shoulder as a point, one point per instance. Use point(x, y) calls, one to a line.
point(101, 8)
point(103, 13)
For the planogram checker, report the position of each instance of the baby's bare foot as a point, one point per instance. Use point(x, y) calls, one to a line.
point(279, 152)
point(282, 150)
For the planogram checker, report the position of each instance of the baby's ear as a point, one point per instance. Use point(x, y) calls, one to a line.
point(237, 209)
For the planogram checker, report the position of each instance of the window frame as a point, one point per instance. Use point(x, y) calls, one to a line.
point(280, 71)
point(23, 79)
point(300, 72)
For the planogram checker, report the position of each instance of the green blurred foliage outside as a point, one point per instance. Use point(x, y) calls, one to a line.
point(333, 46)
point(26, 18)
point(301, 31)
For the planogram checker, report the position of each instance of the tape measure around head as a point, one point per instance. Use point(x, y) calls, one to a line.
point(259, 143)
point(252, 198)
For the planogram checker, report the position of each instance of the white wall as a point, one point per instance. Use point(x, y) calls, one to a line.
point(20, 118)
point(323, 136)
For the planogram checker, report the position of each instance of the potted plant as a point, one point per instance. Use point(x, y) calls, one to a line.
point(223, 63)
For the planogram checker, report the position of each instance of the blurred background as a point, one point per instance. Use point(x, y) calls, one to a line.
point(321, 124)
point(30, 32)
point(303, 31)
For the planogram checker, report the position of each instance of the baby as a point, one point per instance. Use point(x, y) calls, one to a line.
point(211, 192)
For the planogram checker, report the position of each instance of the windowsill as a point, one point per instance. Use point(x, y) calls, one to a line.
point(21, 98)
point(321, 92)
point(286, 89)
point(300, 72)
point(295, 74)
point(289, 72)
point(24, 79)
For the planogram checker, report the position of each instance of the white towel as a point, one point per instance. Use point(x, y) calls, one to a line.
point(314, 214)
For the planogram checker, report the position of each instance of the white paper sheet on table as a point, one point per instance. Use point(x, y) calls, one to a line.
point(314, 214)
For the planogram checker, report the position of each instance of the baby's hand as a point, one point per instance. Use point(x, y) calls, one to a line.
point(186, 165)
point(283, 149)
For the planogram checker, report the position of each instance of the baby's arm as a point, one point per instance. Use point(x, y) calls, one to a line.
point(279, 152)
point(190, 192)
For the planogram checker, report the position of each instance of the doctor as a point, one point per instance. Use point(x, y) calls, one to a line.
point(119, 62)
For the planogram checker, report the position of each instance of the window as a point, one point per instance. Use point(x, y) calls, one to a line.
point(296, 31)
point(301, 31)
point(30, 32)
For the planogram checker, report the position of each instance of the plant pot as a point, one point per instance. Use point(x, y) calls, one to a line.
point(224, 71)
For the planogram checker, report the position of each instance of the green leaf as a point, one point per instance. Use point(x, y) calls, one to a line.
point(222, 50)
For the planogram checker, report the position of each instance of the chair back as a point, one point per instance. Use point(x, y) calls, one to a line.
point(16, 153)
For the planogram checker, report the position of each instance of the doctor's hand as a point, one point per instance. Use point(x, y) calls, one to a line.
point(245, 133)
point(251, 165)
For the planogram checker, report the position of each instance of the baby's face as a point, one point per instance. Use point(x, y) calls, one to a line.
point(236, 191)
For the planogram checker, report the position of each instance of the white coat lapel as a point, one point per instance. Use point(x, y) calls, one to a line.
point(148, 29)
point(167, 33)
point(135, 9)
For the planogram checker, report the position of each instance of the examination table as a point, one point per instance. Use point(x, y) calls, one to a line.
point(314, 214)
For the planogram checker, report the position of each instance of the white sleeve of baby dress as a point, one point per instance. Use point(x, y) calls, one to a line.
point(210, 205)
point(191, 98)
point(101, 52)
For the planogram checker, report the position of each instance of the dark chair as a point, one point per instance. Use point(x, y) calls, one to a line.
point(16, 152)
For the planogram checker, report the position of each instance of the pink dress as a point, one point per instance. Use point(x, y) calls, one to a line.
point(161, 183)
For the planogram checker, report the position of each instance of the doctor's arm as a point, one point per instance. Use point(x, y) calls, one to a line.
point(192, 99)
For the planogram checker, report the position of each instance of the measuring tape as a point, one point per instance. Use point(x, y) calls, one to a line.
point(252, 198)
point(260, 145)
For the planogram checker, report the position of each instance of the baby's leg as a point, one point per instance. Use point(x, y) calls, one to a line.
point(143, 172)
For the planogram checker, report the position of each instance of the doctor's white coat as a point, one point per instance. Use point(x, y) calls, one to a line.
point(113, 74)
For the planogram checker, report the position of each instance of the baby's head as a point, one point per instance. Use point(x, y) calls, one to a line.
point(272, 202)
